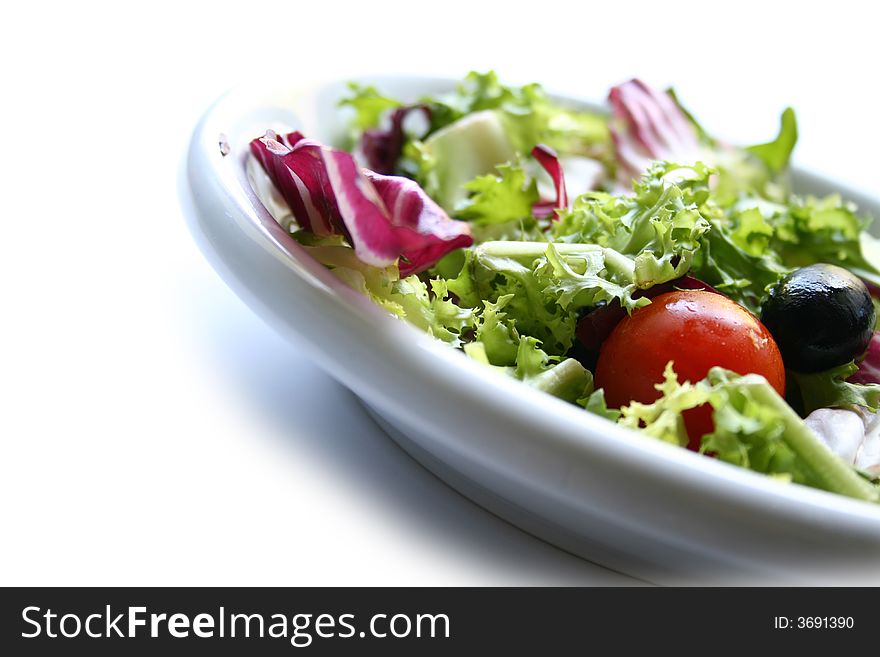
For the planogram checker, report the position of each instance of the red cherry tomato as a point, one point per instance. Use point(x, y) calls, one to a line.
point(695, 329)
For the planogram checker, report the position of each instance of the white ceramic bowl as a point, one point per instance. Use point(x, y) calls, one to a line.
point(601, 491)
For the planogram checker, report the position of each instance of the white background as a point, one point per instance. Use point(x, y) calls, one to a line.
point(153, 430)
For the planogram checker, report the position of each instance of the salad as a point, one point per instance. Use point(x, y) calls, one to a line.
point(623, 260)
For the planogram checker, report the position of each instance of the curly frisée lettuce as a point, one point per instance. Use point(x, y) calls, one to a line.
point(565, 378)
point(424, 304)
point(754, 428)
point(541, 286)
point(505, 196)
point(457, 213)
point(660, 227)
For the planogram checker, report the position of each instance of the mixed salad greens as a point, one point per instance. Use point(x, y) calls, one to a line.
point(625, 261)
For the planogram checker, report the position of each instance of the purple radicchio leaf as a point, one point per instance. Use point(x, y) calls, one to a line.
point(383, 217)
point(366, 219)
point(382, 147)
point(425, 231)
point(294, 165)
point(548, 159)
point(649, 125)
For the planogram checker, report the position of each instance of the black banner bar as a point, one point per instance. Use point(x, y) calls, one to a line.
point(437, 621)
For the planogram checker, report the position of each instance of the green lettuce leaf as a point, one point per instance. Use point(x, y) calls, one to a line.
point(499, 198)
point(604, 250)
point(754, 428)
point(661, 226)
point(529, 115)
point(368, 104)
point(776, 154)
point(565, 378)
point(830, 389)
point(497, 333)
point(729, 262)
point(595, 403)
point(810, 230)
point(754, 243)
point(751, 232)
point(547, 284)
point(407, 298)
point(489, 276)
point(662, 419)
point(582, 278)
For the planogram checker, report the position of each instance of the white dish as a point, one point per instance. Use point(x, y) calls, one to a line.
point(591, 487)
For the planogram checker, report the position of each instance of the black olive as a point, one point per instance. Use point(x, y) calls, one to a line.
point(821, 316)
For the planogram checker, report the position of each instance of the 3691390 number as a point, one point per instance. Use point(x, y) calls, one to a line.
point(824, 622)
